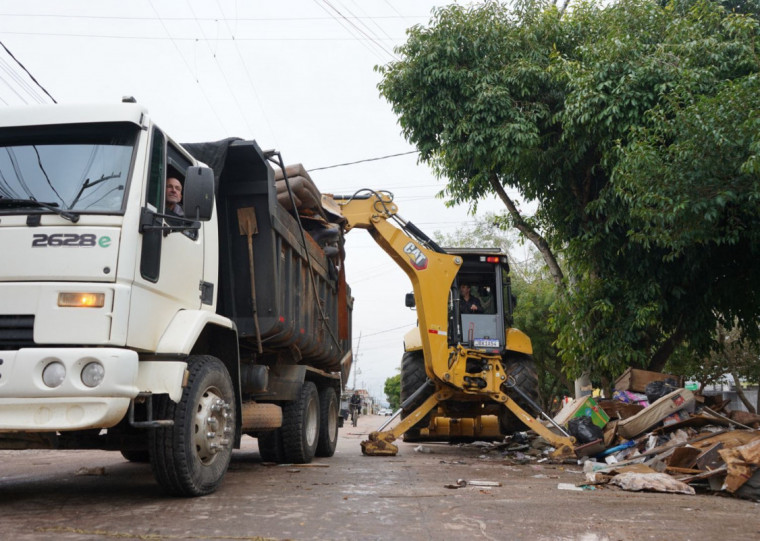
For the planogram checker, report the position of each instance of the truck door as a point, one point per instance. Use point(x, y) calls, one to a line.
point(170, 263)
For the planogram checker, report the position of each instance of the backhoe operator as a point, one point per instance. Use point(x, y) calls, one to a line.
point(468, 304)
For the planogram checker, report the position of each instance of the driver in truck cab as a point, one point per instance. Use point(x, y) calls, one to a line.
point(174, 196)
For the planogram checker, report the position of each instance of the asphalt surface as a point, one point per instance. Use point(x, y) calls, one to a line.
point(73, 495)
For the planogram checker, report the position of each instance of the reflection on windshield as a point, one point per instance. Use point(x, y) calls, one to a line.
point(86, 176)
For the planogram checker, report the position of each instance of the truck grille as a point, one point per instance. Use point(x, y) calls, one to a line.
point(16, 332)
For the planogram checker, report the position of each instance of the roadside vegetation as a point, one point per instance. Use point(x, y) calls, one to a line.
point(633, 129)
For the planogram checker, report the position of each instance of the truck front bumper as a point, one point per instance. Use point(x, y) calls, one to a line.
point(29, 404)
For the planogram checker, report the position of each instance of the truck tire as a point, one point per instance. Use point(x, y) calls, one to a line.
point(413, 377)
point(328, 422)
point(270, 447)
point(191, 457)
point(521, 371)
point(300, 425)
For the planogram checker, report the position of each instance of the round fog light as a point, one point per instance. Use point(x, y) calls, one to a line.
point(54, 374)
point(92, 374)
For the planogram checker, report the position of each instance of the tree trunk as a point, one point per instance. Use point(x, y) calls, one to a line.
point(661, 356)
point(740, 393)
point(606, 387)
point(526, 229)
point(559, 376)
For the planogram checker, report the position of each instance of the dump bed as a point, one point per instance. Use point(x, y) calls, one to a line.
point(301, 300)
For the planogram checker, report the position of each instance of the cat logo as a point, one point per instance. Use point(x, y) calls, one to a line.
point(418, 259)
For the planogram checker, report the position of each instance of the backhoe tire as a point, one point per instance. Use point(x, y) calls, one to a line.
point(328, 422)
point(191, 457)
point(300, 425)
point(270, 447)
point(413, 377)
point(521, 371)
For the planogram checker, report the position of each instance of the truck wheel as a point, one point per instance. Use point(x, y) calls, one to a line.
point(521, 370)
point(413, 376)
point(328, 422)
point(191, 457)
point(270, 447)
point(300, 425)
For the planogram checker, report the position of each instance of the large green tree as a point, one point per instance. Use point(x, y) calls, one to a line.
point(392, 389)
point(635, 125)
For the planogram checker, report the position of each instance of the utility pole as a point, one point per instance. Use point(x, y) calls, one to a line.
point(356, 358)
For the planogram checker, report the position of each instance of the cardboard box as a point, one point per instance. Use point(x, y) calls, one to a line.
point(636, 380)
point(649, 417)
point(584, 405)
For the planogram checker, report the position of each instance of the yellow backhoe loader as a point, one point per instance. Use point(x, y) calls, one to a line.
point(465, 372)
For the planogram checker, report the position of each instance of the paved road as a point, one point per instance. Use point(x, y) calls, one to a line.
point(353, 498)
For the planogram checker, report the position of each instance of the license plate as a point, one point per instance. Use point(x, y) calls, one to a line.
point(486, 343)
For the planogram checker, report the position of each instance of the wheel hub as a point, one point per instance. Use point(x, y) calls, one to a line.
point(213, 426)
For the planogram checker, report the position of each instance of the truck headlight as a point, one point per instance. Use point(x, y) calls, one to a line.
point(81, 300)
point(54, 374)
point(93, 374)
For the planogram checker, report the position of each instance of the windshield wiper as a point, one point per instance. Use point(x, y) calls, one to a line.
point(31, 202)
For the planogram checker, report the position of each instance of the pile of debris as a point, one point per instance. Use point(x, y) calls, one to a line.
point(656, 435)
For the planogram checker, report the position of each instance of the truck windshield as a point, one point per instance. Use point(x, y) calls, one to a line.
point(82, 168)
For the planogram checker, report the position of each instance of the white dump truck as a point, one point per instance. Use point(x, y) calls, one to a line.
point(127, 327)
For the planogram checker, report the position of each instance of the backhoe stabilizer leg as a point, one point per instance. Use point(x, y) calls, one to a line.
point(564, 447)
point(381, 443)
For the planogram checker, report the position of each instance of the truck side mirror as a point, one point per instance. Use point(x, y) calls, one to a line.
point(409, 301)
point(198, 202)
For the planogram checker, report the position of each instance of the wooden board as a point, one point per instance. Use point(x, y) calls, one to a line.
point(636, 380)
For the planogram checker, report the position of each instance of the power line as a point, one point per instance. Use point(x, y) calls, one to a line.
point(363, 161)
point(27, 72)
point(245, 69)
point(371, 18)
point(348, 28)
point(352, 16)
point(21, 82)
point(409, 325)
point(236, 19)
point(177, 38)
point(189, 69)
point(221, 70)
point(373, 39)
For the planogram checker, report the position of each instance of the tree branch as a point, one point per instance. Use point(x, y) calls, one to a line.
point(526, 229)
point(663, 353)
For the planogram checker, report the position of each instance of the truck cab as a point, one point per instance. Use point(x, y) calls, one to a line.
point(82, 290)
point(110, 327)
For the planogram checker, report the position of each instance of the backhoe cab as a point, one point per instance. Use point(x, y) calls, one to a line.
point(465, 372)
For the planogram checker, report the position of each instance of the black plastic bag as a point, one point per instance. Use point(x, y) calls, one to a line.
point(657, 389)
point(584, 430)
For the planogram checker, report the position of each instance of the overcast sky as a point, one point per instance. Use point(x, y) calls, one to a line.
point(296, 75)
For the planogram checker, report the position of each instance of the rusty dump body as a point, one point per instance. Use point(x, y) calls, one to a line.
point(301, 310)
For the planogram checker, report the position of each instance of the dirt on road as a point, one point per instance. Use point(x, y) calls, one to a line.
point(99, 495)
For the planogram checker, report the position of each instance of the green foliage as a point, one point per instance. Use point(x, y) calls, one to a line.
point(635, 126)
point(392, 389)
